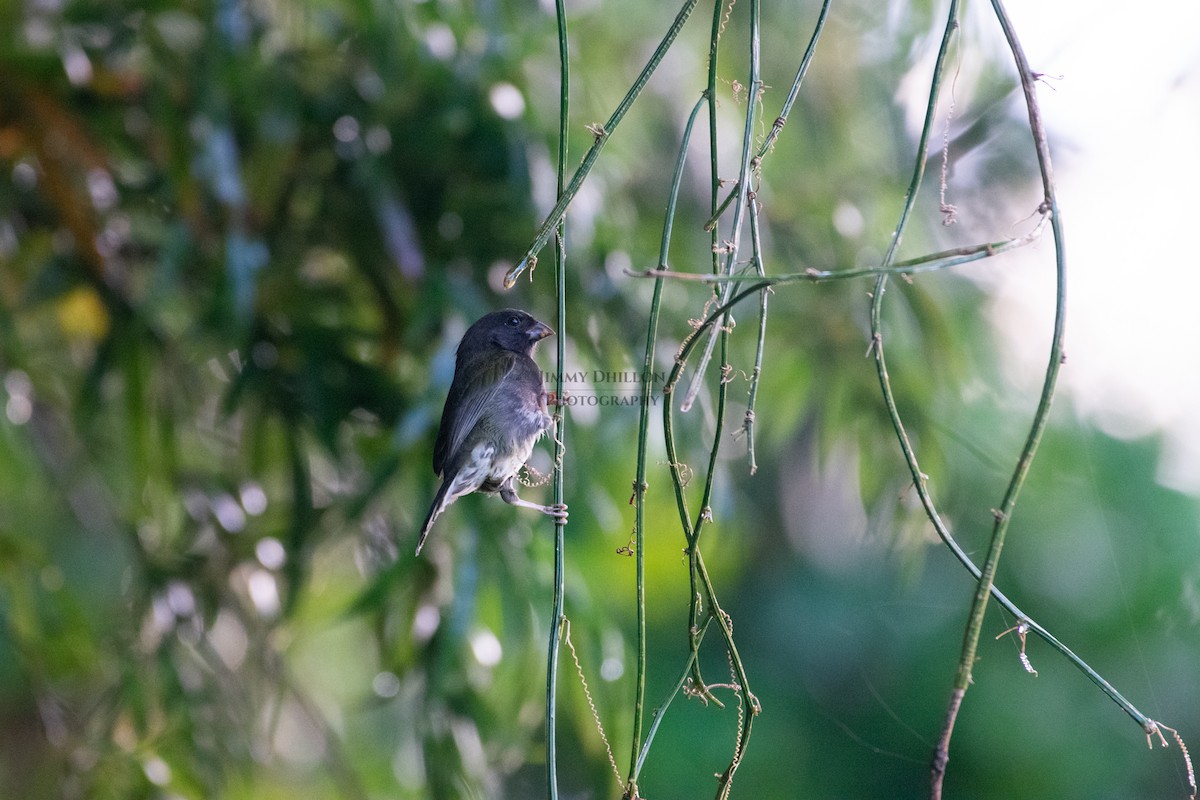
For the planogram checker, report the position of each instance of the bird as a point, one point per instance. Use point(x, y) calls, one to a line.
point(494, 412)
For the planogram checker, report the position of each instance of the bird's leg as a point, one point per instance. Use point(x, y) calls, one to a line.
point(508, 493)
point(553, 399)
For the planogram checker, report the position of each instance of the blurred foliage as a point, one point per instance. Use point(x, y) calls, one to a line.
point(239, 243)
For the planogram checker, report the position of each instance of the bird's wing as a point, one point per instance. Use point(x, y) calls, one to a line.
point(472, 391)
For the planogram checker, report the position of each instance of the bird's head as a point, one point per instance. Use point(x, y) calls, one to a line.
point(509, 329)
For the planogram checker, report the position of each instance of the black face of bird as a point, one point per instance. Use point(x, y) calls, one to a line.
point(509, 329)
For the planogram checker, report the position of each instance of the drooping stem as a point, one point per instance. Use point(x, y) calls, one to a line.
point(752, 396)
point(931, 262)
point(703, 603)
point(1041, 416)
point(560, 291)
point(637, 754)
point(749, 163)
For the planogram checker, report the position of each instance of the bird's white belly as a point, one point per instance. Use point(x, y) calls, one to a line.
point(486, 466)
point(506, 465)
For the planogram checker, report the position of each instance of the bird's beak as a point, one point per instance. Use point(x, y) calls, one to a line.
point(540, 331)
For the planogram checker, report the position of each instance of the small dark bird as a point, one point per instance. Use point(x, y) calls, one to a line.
point(494, 413)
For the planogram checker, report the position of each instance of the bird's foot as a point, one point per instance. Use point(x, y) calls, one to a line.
point(558, 511)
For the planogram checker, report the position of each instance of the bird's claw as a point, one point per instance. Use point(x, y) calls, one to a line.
point(558, 511)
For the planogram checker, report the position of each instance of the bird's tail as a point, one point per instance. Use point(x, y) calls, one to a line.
point(440, 501)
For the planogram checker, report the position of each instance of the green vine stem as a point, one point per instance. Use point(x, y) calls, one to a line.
point(748, 706)
point(703, 590)
point(661, 711)
point(731, 246)
point(931, 262)
point(637, 754)
point(1004, 513)
point(560, 292)
point(752, 395)
point(714, 50)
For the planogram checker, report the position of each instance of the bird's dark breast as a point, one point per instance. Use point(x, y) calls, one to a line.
point(525, 408)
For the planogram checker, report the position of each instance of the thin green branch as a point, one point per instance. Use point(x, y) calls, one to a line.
point(659, 712)
point(703, 597)
point(731, 246)
point(752, 396)
point(673, 464)
point(877, 347)
point(560, 271)
point(676, 470)
point(1041, 417)
point(529, 260)
point(748, 704)
point(695, 561)
point(638, 751)
point(932, 262)
point(714, 176)
point(749, 707)
point(1041, 144)
point(705, 592)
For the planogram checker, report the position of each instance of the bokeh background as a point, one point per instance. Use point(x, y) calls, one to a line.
point(239, 242)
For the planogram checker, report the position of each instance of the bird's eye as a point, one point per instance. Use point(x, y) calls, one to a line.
point(513, 321)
